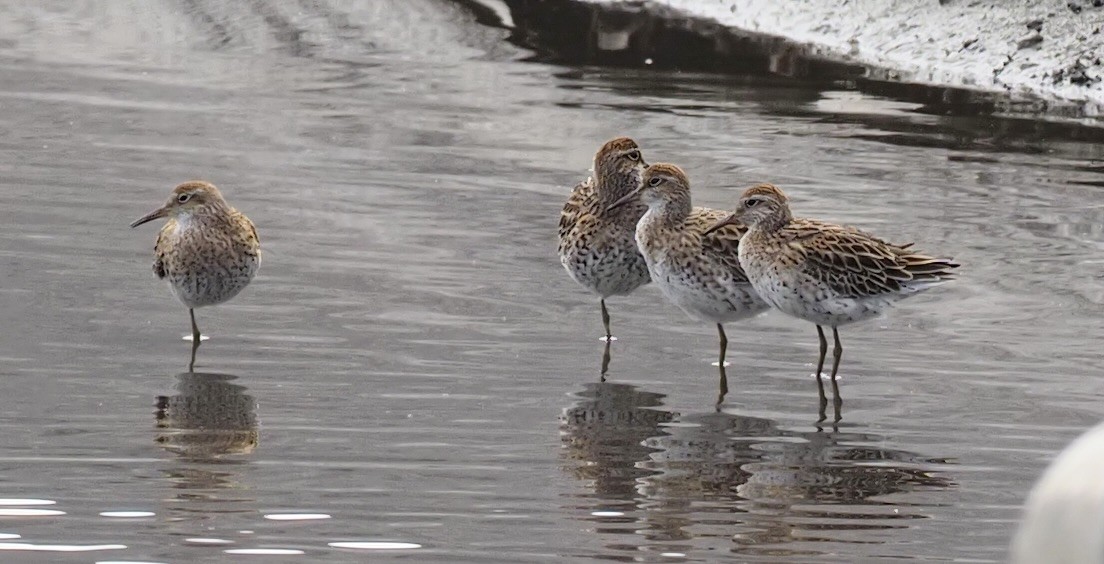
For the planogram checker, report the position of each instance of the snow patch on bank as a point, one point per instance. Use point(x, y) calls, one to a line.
point(1042, 49)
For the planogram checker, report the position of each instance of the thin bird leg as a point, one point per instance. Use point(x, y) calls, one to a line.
point(605, 361)
point(195, 328)
point(838, 352)
point(195, 347)
point(823, 400)
point(820, 381)
point(605, 321)
point(723, 388)
point(837, 402)
point(823, 351)
point(724, 345)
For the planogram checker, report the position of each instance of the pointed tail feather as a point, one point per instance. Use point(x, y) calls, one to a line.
point(928, 272)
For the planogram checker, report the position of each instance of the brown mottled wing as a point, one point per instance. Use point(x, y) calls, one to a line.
point(162, 249)
point(804, 227)
point(240, 219)
point(855, 264)
point(723, 244)
point(578, 209)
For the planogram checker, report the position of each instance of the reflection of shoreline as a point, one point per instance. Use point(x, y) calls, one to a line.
point(741, 481)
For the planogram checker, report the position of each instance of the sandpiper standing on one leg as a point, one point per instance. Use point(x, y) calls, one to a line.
point(207, 251)
point(698, 273)
point(826, 273)
point(596, 245)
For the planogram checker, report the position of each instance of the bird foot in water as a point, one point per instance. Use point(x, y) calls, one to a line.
point(201, 338)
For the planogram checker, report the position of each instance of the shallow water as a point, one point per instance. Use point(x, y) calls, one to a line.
point(413, 370)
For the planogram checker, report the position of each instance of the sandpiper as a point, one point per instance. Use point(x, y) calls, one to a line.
point(596, 245)
point(698, 273)
point(207, 251)
point(825, 273)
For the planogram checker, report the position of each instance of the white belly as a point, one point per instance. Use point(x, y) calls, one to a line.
point(711, 298)
point(213, 283)
point(788, 291)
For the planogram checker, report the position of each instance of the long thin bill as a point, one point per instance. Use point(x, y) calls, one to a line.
point(155, 214)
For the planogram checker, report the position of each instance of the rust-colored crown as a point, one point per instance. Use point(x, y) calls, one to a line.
point(765, 189)
point(666, 169)
point(197, 185)
point(618, 144)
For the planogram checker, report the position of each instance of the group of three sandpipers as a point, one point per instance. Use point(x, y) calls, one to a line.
point(629, 224)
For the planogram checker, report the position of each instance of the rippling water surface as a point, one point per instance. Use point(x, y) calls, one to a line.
point(412, 376)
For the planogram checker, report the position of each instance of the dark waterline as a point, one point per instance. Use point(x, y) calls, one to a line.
point(636, 35)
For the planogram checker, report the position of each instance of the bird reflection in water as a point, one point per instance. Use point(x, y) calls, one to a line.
point(195, 347)
point(602, 435)
point(606, 359)
point(665, 483)
point(776, 491)
point(837, 403)
point(205, 423)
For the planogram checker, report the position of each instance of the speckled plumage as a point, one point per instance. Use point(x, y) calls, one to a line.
point(207, 259)
point(207, 251)
point(699, 273)
point(596, 243)
point(826, 273)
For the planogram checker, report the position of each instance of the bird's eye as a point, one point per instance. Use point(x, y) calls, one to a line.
point(750, 203)
point(183, 198)
point(655, 181)
point(633, 155)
